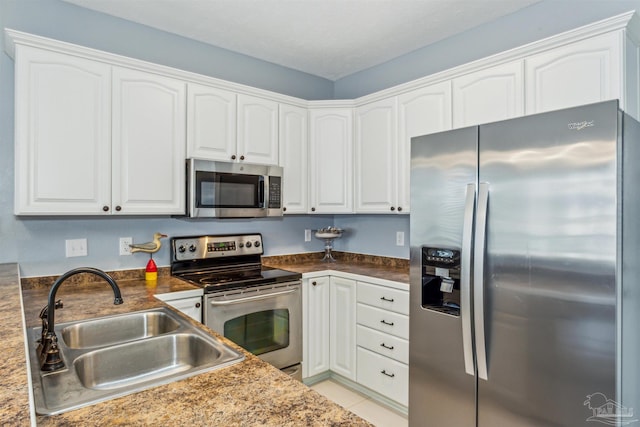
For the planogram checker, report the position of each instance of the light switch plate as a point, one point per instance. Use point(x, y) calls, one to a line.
point(307, 235)
point(76, 247)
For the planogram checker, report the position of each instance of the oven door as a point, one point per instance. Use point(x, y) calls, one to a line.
point(265, 320)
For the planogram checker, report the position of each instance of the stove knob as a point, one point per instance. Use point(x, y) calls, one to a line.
point(257, 244)
point(181, 249)
point(248, 244)
point(241, 245)
point(192, 248)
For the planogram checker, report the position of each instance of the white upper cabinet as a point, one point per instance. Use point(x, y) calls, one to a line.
point(211, 123)
point(375, 152)
point(579, 73)
point(148, 143)
point(330, 159)
point(420, 112)
point(294, 159)
point(63, 134)
point(257, 130)
point(230, 127)
point(489, 95)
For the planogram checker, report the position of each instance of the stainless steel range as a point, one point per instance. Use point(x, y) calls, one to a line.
point(259, 308)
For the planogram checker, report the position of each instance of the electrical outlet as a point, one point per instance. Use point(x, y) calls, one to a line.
point(125, 249)
point(307, 235)
point(400, 238)
point(76, 247)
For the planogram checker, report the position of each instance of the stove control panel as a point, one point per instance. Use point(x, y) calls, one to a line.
point(204, 247)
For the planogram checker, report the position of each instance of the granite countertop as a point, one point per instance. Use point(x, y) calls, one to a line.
point(249, 393)
point(394, 269)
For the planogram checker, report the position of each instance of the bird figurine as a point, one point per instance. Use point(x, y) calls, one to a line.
point(149, 247)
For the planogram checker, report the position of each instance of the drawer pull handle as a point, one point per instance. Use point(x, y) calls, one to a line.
point(385, 373)
point(386, 323)
point(386, 346)
point(386, 299)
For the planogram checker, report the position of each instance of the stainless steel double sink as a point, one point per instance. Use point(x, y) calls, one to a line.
point(118, 355)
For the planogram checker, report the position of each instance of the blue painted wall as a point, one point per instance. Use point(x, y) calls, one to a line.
point(38, 243)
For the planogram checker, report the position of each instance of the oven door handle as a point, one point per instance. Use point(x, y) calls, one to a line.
point(252, 298)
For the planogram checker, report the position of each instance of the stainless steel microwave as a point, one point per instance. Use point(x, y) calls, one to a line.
point(233, 190)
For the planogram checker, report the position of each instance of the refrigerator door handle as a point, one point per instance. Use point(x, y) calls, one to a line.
point(465, 278)
point(478, 278)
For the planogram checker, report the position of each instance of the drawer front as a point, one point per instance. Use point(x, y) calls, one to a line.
point(383, 297)
point(384, 375)
point(384, 344)
point(383, 321)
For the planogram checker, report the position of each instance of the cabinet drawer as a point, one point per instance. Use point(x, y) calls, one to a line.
point(384, 344)
point(384, 321)
point(384, 375)
point(380, 296)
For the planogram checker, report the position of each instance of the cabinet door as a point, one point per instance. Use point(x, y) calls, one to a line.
point(315, 315)
point(342, 330)
point(331, 156)
point(375, 151)
point(192, 307)
point(420, 112)
point(148, 143)
point(293, 158)
point(211, 123)
point(63, 134)
point(488, 95)
point(580, 73)
point(257, 130)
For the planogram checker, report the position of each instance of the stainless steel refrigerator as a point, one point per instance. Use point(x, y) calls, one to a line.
point(525, 272)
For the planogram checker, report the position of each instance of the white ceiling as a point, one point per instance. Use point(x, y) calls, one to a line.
point(326, 38)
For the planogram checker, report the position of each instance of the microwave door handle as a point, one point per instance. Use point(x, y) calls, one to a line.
point(261, 192)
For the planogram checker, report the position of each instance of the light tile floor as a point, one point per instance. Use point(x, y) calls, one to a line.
point(376, 414)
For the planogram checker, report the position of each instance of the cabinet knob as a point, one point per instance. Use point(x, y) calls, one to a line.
point(314, 283)
point(284, 209)
point(313, 209)
point(241, 157)
point(118, 208)
point(105, 208)
point(392, 208)
point(197, 305)
point(233, 157)
point(399, 208)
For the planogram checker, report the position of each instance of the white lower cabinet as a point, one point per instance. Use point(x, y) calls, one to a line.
point(358, 331)
point(383, 375)
point(342, 327)
point(315, 326)
point(188, 302)
point(383, 340)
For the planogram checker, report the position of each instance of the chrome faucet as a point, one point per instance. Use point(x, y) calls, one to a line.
point(48, 349)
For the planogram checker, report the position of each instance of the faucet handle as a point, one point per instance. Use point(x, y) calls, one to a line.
point(43, 312)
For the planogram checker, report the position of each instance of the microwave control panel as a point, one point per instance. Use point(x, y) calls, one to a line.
point(275, 192)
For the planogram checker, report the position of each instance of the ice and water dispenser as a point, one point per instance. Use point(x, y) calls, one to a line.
point(441, 280)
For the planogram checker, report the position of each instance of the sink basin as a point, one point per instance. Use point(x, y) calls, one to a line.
point(118, 329)
point(140, 350)
point(147, 360)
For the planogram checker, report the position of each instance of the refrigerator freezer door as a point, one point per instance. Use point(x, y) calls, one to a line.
point(441, 394)
point(550, 266)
